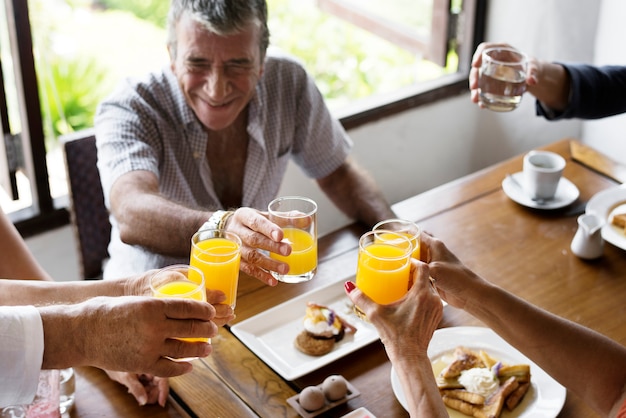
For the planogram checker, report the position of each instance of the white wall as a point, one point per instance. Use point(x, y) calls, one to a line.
point(425, 147)
point(609, 134)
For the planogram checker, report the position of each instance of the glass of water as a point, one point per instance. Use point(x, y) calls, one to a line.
point(502, 79)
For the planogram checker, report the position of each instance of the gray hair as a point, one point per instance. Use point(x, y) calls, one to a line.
point(223, 17)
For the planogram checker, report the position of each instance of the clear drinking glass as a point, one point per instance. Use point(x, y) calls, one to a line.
point(384, 265)
point(46, 402)
point(297, 216)
point(217, 253)
point(180, 281)
point(402, 226)
point(502, 78)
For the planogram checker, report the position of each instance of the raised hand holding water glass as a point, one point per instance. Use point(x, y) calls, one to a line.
point(502, 78)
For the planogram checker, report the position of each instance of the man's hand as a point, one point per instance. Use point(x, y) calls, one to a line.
point(133, 334)
point(146, 389)
point(258, 236)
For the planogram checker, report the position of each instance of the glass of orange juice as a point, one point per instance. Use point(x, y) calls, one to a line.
point(402, 226)
point(217, 253)
point(297, 216)
point(179, 281)
point(383, 268)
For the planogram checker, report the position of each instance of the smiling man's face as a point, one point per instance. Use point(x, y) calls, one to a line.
point(217, 74)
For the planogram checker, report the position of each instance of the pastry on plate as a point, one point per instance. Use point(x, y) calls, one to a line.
point(322, 329)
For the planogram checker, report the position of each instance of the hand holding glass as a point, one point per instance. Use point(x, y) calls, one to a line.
point(384, 265)
point(297, 216)
point(502, 78)
point(183, 282)
point(217, 253)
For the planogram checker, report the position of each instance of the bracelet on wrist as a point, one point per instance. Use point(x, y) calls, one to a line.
point(217, 220)
point(225, 217)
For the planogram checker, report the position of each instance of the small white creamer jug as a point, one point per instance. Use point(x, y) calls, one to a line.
point(587, 242)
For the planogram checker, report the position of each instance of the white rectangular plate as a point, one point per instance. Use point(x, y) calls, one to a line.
point(270, 334)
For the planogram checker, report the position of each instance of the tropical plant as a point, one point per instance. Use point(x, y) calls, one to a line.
point(70, 91)
point(154, 11)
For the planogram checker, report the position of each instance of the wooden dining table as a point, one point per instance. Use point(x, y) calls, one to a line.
point(524, 250)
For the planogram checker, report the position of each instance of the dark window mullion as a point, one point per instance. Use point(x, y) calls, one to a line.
point(28, 94)
point(7, 175)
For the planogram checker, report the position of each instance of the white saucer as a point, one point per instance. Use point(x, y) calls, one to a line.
point(566, 193)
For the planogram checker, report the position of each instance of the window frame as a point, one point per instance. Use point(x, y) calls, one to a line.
point(43, 214)
point(47, 213)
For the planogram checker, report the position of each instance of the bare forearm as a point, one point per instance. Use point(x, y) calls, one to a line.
point(356, 194)
point(145, 217)
point(590, 364)
point(62, 337)
point(40, 293)
point(16, 260)
point(419, 386)
point(159, 224)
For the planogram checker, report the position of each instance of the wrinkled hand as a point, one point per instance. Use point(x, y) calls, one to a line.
point(223, 313)
point(455, 282)
point(136, 334)
point(531, 74)
point(146, 389)
point(407, 325)
point(258, 234)
point(139, 285)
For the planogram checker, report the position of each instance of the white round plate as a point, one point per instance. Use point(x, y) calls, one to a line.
point(605, 204)
point(566, 193)
point(545, 397)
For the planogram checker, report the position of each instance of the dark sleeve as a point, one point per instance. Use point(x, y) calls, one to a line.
point(596, 92)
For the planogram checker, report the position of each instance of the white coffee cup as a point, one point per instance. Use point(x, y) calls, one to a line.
point(542, 173)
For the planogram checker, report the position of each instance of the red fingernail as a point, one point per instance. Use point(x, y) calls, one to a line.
point(349, 286)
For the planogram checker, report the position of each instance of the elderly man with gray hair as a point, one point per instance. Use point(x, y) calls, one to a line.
point(208, 140)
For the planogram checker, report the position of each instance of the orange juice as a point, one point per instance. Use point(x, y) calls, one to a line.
point(183, 290)
point(383, 272)
point(219, 260)
point(303, 257)
point(403, 227)
point(414, 239)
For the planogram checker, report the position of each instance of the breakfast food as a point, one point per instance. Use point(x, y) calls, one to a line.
point(312, 398)
point(334, 387)
point(478, 385)
point(319, 399)
point(619, 220)
point(322, 329)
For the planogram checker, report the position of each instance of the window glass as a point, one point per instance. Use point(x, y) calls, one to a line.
point(355, 49)
point(353, 61)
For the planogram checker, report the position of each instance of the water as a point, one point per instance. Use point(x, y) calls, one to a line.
point(68, 388)
point(500, 94)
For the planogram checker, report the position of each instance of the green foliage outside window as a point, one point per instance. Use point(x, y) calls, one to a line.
point(154, 11)
point(86, 46)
